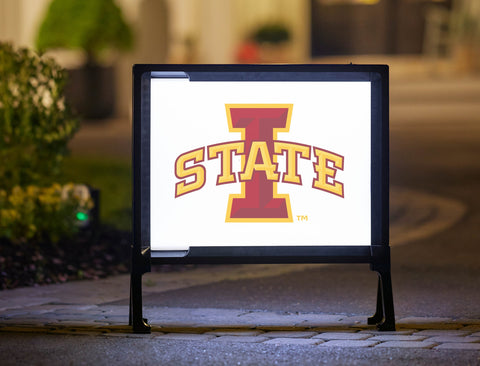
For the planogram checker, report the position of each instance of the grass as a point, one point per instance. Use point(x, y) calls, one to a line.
point(113, 178)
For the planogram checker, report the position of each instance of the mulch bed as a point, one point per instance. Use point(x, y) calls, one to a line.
point(86, 256)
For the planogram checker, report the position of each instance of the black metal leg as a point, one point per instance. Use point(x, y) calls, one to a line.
point(384, 316)
point(137, 321)
point(140, 265)
point(387, 299)
point(378, 316)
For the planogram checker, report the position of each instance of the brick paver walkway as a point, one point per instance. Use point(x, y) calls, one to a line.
point(220, 325)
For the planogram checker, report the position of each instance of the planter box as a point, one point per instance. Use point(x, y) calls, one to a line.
point(90, 90)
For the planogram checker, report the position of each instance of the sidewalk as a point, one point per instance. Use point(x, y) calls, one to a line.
point(98, 308)
point(240, 326)
point(88, 308)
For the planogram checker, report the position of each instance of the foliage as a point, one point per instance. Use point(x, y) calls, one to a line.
point(272, 33)
point(86, 255)
point(93, 26)
point(41, 215)
point(35, 123)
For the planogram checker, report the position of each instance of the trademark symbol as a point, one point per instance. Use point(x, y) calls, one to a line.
point(302, 218)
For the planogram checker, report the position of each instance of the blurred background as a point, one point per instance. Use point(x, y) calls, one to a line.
point(437, 37)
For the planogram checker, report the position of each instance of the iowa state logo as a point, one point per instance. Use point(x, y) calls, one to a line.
point(259, 148)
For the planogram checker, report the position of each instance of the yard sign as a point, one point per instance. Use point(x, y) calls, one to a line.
point(261, 164)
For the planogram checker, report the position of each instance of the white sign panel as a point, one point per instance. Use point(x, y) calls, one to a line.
point(259, 163)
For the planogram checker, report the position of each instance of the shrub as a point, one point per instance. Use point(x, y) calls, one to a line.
point(35, 127)
point(42, 215)
point(35, 122)
point(273, 33)
point(94, 26)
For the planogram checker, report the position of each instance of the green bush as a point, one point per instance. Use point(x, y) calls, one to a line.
point(273, 33)
point(42, 215)
point(35, 127)
point(35, 123)
point(93, 26)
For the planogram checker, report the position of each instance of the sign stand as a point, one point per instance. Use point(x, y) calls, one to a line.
point(378, 256)
point(375, 249)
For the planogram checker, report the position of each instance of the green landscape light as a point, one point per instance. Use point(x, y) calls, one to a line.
point(82, 216)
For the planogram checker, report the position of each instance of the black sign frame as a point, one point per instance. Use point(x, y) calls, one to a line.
point(377, 254)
